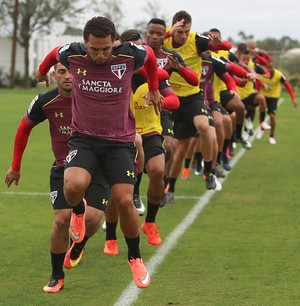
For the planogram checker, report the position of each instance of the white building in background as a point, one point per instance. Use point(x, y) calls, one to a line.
point(38, 48)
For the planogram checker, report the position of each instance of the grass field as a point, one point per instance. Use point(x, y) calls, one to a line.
point(243, 248)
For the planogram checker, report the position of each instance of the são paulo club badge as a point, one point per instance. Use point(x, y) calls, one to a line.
point(118, 70)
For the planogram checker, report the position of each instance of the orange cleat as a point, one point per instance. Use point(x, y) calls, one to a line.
point(54, 285)
point(150, 230)
point(140, 274)
point(111, 247)
point(77, 225)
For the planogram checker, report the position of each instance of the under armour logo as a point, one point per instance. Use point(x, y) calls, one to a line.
point(81, 71)
point(104, 201)
point(129, 173)
point(58, 115)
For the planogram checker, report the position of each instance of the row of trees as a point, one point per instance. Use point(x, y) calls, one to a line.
point(21, 19)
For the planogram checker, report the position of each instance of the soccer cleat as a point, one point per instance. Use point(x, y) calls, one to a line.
point(77, 225)
point(245, 144)
point(170, 197)
point(219, 172)
point(185, 173)
point(260, 134)
point(138, 204)
point(265, 126)
point(210, 182)
point(272, 140)
point(248, 123)
point(225, 162)
point(163, 200)
point(150, 230)
point(111, 247)
point(140, 274)
point(74, 252)
point(104, 226)
point(198, 172)
point(218, 184)
point(54, 285)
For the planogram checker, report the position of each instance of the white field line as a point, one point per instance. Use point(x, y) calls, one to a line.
point(131, 292)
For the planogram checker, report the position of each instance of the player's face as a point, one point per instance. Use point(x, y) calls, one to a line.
point(99, 49)
point(63, 78)
point(181, 35)
point(155, 35)
point(245, 58)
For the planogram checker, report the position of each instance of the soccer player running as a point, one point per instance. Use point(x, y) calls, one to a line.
point(271, 89)
point(191, 115)
point(55, 106)
point(103, 127)
point(170, 61)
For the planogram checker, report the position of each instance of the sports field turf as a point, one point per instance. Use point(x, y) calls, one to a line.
point(243, 247)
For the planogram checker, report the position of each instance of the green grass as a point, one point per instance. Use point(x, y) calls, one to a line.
point(243, 249)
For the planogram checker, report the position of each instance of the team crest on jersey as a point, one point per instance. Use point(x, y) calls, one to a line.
point(205, 70)
point(118, 70)
point(53, 196)
point(71, 155)
point(161, 62)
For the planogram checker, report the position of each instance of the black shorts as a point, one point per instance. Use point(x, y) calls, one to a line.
point(183, 117)
point(272, 105)
point(97, 194)
point(218, 107)
point(166, 123)
point(210, 118)
point(116, 159)
point(153, 145)
point(249, 101)
point(225, 97)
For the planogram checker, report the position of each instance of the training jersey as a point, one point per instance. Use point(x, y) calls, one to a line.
point(272, 84)
point(212, 68)
point(101, 93)
point(190, 52)
point(57, 109)
point(147, 121)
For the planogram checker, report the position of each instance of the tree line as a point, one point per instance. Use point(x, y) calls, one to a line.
point(21, 19)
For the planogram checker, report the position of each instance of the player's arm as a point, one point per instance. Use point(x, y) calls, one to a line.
point(170, 100)
point(20, 142)
point(50, 60)
point(289, 89)
point(153, 96)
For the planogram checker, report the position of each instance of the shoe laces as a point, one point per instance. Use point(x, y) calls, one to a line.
point(152, 229)
point(111, 244)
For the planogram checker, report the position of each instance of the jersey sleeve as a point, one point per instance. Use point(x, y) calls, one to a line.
point(35, 110)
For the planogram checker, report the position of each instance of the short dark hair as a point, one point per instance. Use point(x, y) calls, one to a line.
point(158, 21)
point(241, 47)
point(100, 27)
point(130, 35)
point(215, 30)
point(246, 52)
point(182, 15)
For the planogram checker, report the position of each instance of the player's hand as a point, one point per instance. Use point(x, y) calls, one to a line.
point(295, 103)
point(176, 26)
point(12, 176)
point(154, 98)
point(42, 78)
point(215, 39)
point(174, 62)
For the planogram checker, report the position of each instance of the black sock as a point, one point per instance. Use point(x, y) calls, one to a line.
point(207, 167)
point(133, 247)
point(78, 248)
point(226, 144)
point(187, 162)
point(79, 209)
point(166, 181)
point(238, 131)
point(152, 210)
point(57, 262)
point(219, 157)
point(198, 158)
point(111, 230)
point(172, 182)
point(262, 116)
point(136, 189)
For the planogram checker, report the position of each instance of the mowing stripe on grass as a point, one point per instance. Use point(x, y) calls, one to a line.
point(131, 292)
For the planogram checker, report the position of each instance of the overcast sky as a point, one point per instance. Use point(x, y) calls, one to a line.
point(261, 18)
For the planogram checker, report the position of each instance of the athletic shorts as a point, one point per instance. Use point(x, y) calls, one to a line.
point(166, 123)
point(210, 118)
point(225, 97)
point(218, 107)
point(116, 159)
point(183, 117)
point(97, 194)
point(272, 105)
point(153, 145)
point(249, 101)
